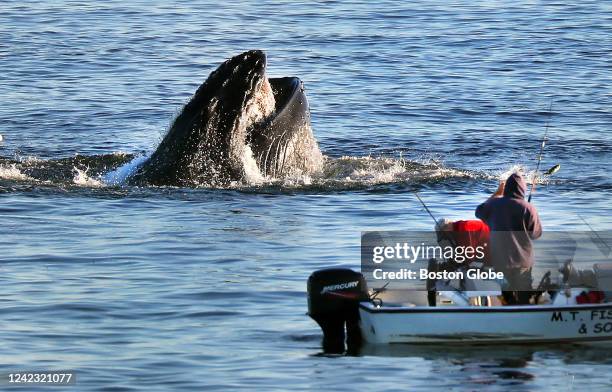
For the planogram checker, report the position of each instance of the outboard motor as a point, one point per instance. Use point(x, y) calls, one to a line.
point(333, 302)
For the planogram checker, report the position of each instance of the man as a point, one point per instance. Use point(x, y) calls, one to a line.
point(514, 223)
point(458, 234)
point(465, 234)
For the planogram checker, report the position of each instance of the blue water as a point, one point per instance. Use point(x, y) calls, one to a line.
point(176, 288)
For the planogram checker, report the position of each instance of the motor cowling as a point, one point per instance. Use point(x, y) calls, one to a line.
point(333, 302)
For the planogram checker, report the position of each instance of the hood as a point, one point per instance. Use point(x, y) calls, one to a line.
point(515, 187)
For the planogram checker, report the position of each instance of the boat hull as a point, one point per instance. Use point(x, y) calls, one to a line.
point(507, 324)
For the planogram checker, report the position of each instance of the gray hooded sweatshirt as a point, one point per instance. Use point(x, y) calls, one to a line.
point(514, 223)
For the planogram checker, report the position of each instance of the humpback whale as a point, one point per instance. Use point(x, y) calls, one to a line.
point(238, 126)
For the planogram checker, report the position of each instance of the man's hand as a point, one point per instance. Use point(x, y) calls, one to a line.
point(500, 189)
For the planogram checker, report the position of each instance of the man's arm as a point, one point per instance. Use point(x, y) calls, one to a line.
point(500, 190)
point(533, 223)
point(482, 211)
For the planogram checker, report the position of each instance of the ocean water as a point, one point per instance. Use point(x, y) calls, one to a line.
point(165, 288)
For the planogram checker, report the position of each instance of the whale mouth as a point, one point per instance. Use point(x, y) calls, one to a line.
point(267, 138)
point(284, 145)
point(284, 89)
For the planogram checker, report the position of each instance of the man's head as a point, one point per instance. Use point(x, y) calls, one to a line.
point(444, 225)
point(515, 187)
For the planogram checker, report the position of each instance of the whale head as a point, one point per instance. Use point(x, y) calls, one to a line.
point(230, 128)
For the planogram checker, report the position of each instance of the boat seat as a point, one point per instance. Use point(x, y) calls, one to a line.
point(406, 298)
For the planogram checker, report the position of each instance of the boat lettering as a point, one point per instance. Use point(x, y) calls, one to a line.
point(602, 327)
point(574, 313)
point(601, 315)
point(340, 286)
point(571, 315)
point(557, 316)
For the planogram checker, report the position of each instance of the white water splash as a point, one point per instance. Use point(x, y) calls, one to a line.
point(252, 174)
point(119, 175)
point(528, 175)
point(502, 175)
point(12, 172)
point(29, 159)
point(371, 171)
point(82, 179)
point(335, 173)
point(339, 173)
point(366, 170)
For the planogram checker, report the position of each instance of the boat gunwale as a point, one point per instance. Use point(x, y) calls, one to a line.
point(509, 342)
point(370, 308)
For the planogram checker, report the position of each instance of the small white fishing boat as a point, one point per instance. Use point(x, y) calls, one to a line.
point(563, 320)
point(339, 302)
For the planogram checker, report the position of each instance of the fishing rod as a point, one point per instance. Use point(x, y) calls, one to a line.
point(433, 264)
point(442, 232)
point(601, 240)
point(425, 206)
point(376, 292)
point(535, 175)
